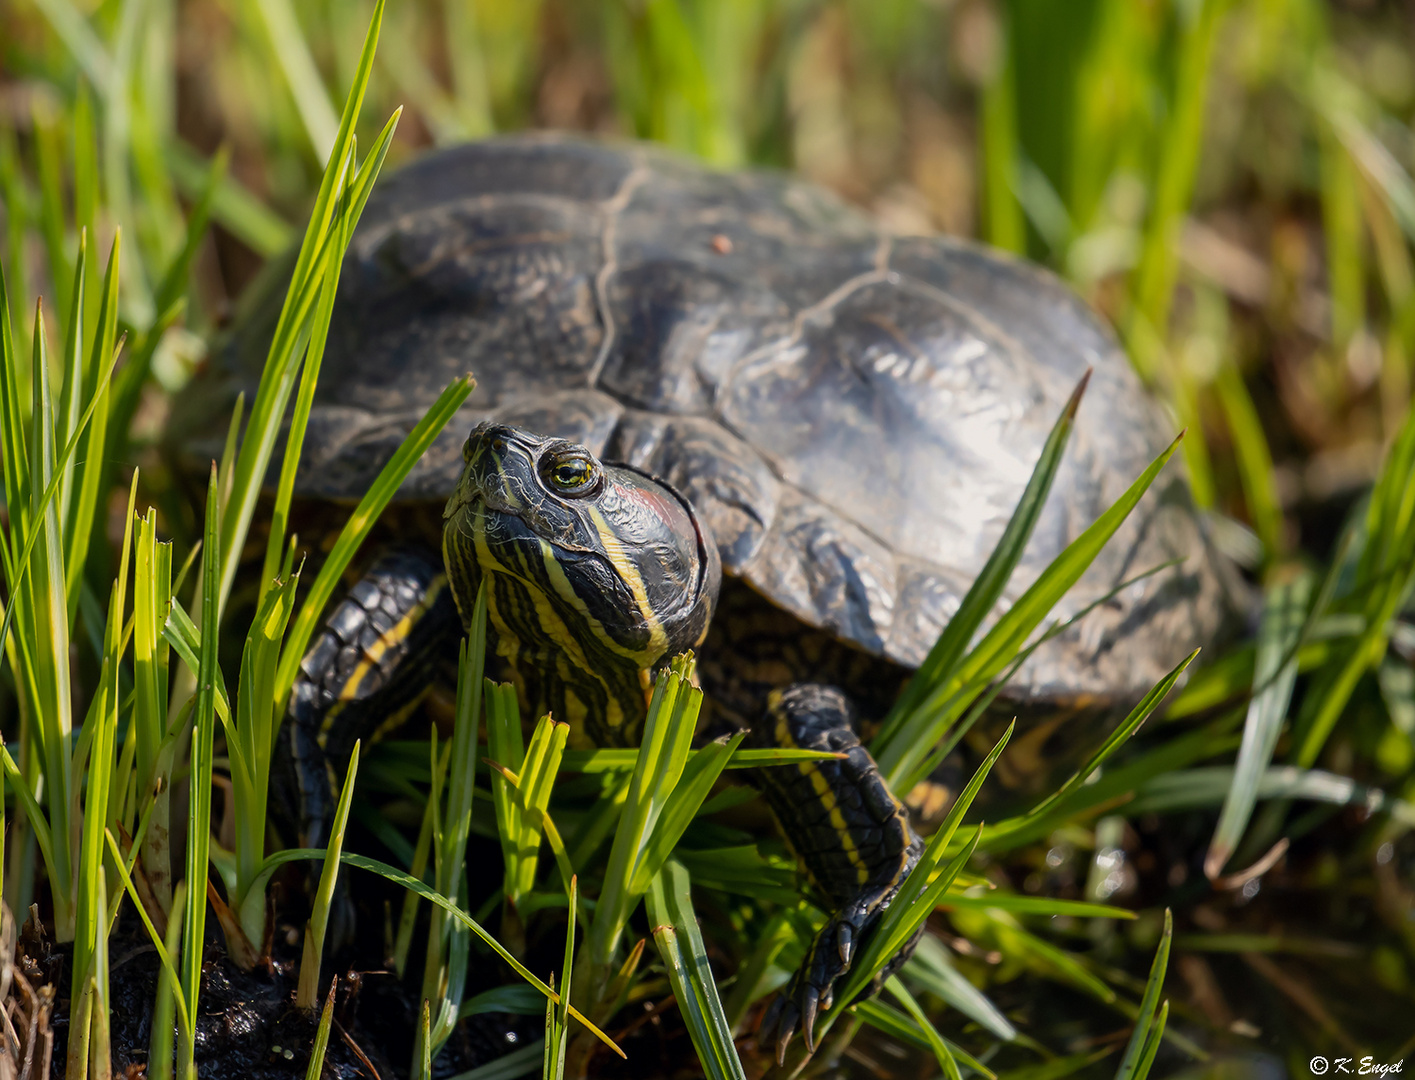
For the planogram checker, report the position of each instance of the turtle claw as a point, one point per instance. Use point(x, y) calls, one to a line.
point(811, 1005)
point(780, 1016)
point(783, 1040)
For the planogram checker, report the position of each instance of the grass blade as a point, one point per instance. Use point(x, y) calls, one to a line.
point(321, 1035)
point(1153, 286)
point(1131, 724)
point(1137, 1051)
point(1274, 677)
point(444, 975)
point(931, 969)
point(355, 196)
point(663, 754)
point(1255, 463)
point(987, 588)
point(292, 56)
point(510, 1066)
point(71, 393)
point(682, 805)
point(168, 968)
point(680, 944)
point(1005, 227)
point(232, 206)
point(199, 783)
point(557, 1016)
point(912, 1007)
point(278, 377)
point(307, 993)
point(1152, 1044)
point(362, 520)
point(407, 881)
point(892, 1022)
point(79, 38)
point(97, 376)
point(927, 723)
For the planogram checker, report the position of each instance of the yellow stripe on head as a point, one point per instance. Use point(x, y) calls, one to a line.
point(644, 658)
point(574, 664)
point(629, 574)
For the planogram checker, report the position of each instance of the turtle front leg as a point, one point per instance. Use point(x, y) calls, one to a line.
point(376, 657)
point(848, 829)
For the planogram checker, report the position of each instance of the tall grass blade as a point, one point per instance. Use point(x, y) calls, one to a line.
point(931, 969)
point(199, 781)
point(251, 734)
point(681, 806)
point(898, 1025)
point(321, 1034)
point(663, 754)
point(408, 882)
point(1001, 151)
point(168, 998)
point(46, 634)
point(307, 992)
point(444, 974)
point(71, 393)
point(232, 206)
point(1255, 463)
point(24, 511)
point(557, 1016)
point(278, 378)
point(49, 158)
point(421, 851)
point(987, 587)
point(88, 1049)
point(1152, 1044)
point(1274, 677)
point(292, 56)
point(422, 1065)
point(1136, 1051)
point(169, 969)
point(680, 945)
point(936, 1043)
point(1180, 147)
point(901, 760)
point(362, 520)
point(94, 469)
point(356, 195)
point(79, 38)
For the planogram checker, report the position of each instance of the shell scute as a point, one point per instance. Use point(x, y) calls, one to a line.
point(827, 571)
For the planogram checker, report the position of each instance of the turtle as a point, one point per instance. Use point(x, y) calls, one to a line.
point(719, 411)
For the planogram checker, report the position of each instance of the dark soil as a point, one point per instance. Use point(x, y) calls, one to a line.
point(248, 1027)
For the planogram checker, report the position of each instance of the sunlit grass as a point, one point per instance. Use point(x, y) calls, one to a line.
point(1098, 162)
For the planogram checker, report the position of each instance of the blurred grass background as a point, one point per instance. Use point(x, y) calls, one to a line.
point(1228, 181)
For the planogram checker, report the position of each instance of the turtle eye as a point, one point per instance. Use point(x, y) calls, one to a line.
point(572, 473)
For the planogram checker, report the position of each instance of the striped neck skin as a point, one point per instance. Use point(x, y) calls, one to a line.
point(595, 574)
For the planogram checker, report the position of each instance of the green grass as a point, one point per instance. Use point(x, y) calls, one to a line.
point(1101, 137)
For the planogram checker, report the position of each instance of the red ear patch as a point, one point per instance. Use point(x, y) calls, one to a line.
point(660, 504)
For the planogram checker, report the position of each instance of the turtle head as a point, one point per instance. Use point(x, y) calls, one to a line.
point(595, 572)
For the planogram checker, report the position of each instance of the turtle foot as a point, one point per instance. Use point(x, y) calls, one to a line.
point(812, 989)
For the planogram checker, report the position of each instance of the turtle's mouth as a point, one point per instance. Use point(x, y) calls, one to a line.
point(505, 537)
point(503, 519)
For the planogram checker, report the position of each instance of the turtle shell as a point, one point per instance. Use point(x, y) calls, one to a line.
point(854, 414)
